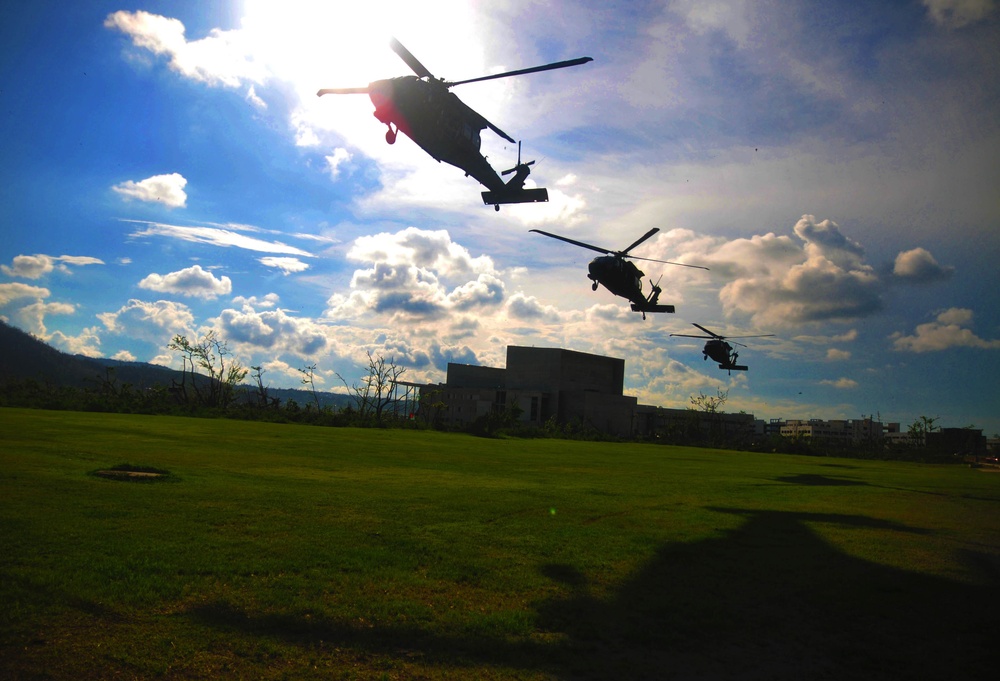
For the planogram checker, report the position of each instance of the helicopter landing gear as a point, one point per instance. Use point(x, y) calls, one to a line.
point(390, 135)
point(593, 287)
point(496, 207)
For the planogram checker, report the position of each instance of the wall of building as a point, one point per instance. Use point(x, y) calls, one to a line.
point(472, 376)
point(554, 369)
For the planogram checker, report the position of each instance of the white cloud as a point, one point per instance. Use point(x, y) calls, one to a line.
point(273, 330)
point(15, 290)
point(38, 265)
point(836, 355)
point(79, 260)
point(339, 157)
point(32, 317)
point(946, 331)
point(28, 266)
point(156, 322)
point(165, 189)
point(192, 281)
point(286, 265)
point(268, 301)
point(428, 249)
point(730, 17)
point(123, 356)
point(841, 383)
point(221, 58)
point(919, 265)
point(251, 96)
point(86, 343)
point(779, 283)
point(215, 236)
point(526, 308)
point(958, 13)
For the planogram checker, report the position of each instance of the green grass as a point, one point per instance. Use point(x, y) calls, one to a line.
point(282, 551)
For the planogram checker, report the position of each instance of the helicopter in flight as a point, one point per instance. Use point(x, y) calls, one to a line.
point(425, 109)
point(719, 350)
point(618, 274)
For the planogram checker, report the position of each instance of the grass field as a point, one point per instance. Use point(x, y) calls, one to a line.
point(278, 551)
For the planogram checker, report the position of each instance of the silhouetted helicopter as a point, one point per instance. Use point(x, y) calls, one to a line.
point(719, 350)
point(621, 276)
point(424, 108)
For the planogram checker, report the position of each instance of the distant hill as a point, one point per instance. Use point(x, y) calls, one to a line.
point(24, 357)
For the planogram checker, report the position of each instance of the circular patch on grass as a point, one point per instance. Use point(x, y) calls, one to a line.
point(131, 473)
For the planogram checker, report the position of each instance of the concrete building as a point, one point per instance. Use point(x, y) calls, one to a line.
point(571, 388)
point(544, 383)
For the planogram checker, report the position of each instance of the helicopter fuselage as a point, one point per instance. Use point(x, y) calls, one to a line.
point(720, 351)
point(437, 120)
point(619, 276)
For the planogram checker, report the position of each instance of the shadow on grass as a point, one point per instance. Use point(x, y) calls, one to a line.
point(768, 600)
point(816, 480)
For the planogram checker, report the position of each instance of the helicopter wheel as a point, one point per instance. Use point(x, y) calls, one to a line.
point(390, 136)
point(593, 287)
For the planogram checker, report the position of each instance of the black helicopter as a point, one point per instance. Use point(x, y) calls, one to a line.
point(424, 108)
point(719, 350)
point(620, 276)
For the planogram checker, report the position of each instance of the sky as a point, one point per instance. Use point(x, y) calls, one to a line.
point(168, 169)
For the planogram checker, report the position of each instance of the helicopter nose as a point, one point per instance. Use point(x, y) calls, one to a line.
point(380, 92)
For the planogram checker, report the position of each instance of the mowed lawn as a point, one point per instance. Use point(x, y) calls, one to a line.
point(284, 551)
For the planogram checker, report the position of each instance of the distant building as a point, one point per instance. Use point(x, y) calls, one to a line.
point(694, 425)
point(957, 441)
point(568, 387)
point(850, 431)
point(543, 383)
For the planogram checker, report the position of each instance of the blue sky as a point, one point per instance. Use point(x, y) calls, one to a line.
point(168, 169)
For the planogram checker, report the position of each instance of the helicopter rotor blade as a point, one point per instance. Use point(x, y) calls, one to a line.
point(410, 60)
point(666, 262)
point(343, 91)
point(689, 335)
point(759, 335)
point(499, 131)
point(713, 334)
point(521, 72)
point(574, 242)
point(640, 240)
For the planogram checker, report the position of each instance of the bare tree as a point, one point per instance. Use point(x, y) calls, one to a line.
point(375, 391)
point(263, 399)
point(212, 355)
point(309, 379)
point(709, 404)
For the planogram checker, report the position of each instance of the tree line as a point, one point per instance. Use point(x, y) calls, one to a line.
point(213, 382)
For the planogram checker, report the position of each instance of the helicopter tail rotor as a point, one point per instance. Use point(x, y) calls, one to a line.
point(519, 165)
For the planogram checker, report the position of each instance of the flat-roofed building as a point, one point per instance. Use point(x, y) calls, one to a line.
point(570, 386)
